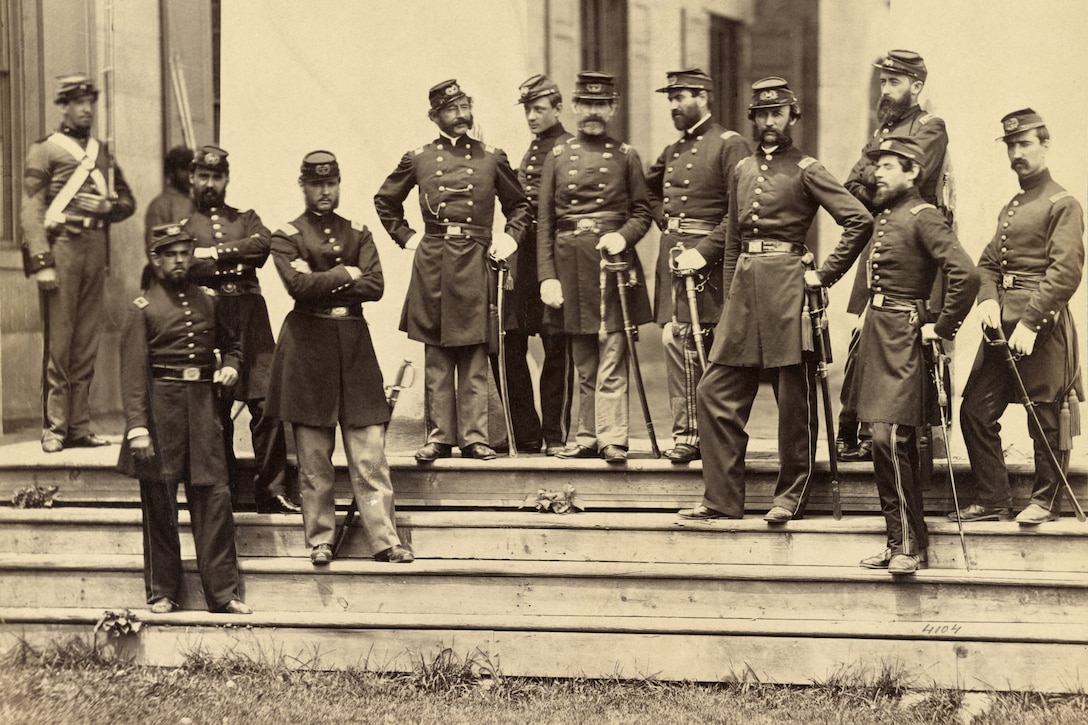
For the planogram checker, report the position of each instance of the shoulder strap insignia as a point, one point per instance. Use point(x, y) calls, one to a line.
point(358, 226)
point(289, 229)
point(729, 134)
point(625, 148)
point(490, 149)
point(806, 162)
point(141, 302)
point(417, 152)
point(924, 205)
point(558, 150)
point(926, 118)
point(1059, 195)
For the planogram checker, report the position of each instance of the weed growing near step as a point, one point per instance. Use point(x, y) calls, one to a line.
point(35, 497)
point(556, 502)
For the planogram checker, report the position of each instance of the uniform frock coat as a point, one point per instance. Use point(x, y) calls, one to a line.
point(775, 196)
point(325, 371)
point(177, 328)
point(690, 180)
point(448, 295)
point(912, 242)
point(601, 178)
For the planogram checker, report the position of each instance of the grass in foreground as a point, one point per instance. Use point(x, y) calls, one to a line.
point(72, 682)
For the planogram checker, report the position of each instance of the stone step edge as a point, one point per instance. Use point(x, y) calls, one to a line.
point(952, 631)
point(531, 569)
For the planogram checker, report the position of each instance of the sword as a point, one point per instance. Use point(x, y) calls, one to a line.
point(406, 375)
point(817, 310)
point(502, 274)
point(693, 305)
point(625, 275)
point(996, 338)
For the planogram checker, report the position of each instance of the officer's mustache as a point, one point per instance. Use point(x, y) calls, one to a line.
point(594, 117)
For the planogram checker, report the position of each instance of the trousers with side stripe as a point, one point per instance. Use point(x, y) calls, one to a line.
point(899, 485)
point(724, 401)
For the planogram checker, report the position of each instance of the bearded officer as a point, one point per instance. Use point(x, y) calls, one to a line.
point(773, 198)
point(325, 371)
point(172, 435)
point(913, 241)
point(66, 212)
point(1030, 270)
point(593, 204)
point(446, 308)
point(231, 245)
point(689, 189)
point(903, 75)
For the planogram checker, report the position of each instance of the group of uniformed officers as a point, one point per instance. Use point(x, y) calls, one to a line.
point(733, 284)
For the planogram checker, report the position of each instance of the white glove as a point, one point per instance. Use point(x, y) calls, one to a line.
point(301, 265)
point(812, 280)
point(354, 272)
point(225, 376)
point(411, 243)
point(46, 277)
point(1022, 339)
point(929, 332)
point(690, 259)
point(551, 293)
point(502, 246)
point(206, 253)
point(612, 243)
point(989, 314)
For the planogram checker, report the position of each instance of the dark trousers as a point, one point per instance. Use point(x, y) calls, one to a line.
point(556, 390)
point(519, 382)
point(723, 404)
point(899, 484)
point(213, 534)
point(269, 451)
point(984, 402)
point(850, 430)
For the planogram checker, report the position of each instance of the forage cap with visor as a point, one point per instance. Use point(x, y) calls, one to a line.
point(164, 235)
point(319, 166)
point(771, 92)
point(537, 86)
point(594, 85)
point(904, 62)
point(902, 146)
point(73, 86)
point(691, 79)
point(1018, 121)
point(212, 158)
point(445, 92)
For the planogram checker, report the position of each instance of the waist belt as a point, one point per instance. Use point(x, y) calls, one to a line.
point(191, 374)
point(589, 224)
point(1021, 280)
point(689, 226)
point(337, 313)
point(241, 286)
point(84, 222)
point(771, 246)
point(881, 301)
point(457, 230)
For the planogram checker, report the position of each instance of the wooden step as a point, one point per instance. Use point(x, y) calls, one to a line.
point(592, 536)
point(575, 589)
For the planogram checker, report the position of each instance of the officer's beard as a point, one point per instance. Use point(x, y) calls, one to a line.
point(772, 137)
point(592, 125)
point(889, 109)
point(886, 197)
point(210, 198)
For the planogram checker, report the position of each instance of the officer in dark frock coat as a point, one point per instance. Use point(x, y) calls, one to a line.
point(448, 298)
point(894, 391)
point(774, 196)
point(324, 372)
point(168, 369)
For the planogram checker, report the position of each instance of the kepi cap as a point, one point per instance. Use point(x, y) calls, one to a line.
point(535, 87)
point(318, 166)
point(1018, 121)
point(904, 62)
point(445, 92)
point(164, 235)
point(903, 146)
point(73, 86)
point(595, 86)
point(771, 92)
point(213, 158)
point(692, 79)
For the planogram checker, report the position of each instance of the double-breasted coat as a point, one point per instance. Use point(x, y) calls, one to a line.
point(325, 371)
point(600, 180)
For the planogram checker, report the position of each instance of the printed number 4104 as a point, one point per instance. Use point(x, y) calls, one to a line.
point(941, 629)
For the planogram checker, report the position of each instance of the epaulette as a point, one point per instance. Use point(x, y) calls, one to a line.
point(924, 205)
point(288, 230)
point(418, 151)
point(729, 134)
point(358, 226)
point(806, 162)
point(141, 302)
point(926, 119)
point(741, 162)
point(625, 148)
point(1059, 195)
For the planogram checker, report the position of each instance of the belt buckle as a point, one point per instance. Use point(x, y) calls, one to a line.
point(755, 247)
point(1008, 280)
point(455, 230)
point(190, 374)
point(878, 299)
point(339, 312)
point(587, 225)
point(230, 287)
point(673, 224)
